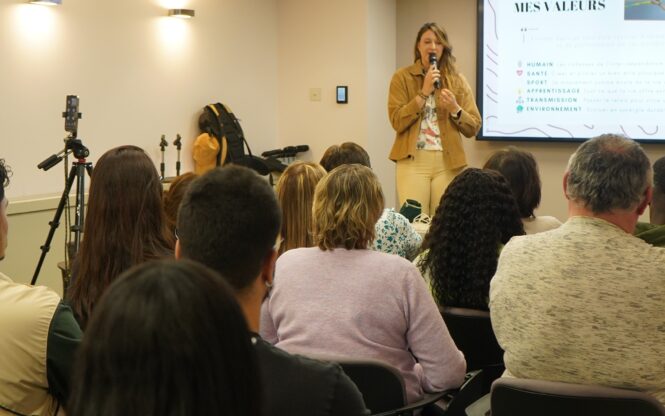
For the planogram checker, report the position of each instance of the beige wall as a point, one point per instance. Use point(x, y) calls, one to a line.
point(323, 44)
point(459, 18)
point(28, 229)
point(381, 63)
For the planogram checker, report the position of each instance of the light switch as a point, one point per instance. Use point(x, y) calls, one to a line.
point(315, 94)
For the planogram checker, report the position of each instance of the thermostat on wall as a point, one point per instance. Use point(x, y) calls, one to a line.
point(342, 94)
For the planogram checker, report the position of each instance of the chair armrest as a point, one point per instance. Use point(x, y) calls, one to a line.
point(429, 398)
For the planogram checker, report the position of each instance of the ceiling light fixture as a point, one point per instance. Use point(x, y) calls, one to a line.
point(47, 2)
point(182, 13)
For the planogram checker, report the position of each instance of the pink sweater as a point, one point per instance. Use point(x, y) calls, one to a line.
point(362, 304)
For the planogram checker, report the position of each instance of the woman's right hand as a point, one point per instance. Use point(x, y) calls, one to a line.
point(432, 75)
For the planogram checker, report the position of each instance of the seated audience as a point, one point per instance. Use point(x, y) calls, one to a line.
point(295, 193)
point(477, 215)
point(653, 232)
point(521, 171)
point(229, 220)
point(341, 299)
point(173, 197)
point(394, 232)
point(583, 303)
point(346, 153)
point(125, 225)
point(168, 338)
point(38, 342)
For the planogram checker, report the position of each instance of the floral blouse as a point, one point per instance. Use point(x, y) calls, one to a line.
point(396, 235)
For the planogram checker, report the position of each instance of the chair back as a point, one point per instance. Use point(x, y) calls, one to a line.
point(381, 385)
point(522, 397)
point(472, 332)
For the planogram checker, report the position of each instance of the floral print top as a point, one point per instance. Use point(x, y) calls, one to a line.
point(396, 235)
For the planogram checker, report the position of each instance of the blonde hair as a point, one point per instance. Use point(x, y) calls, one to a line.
point(295, 193)
point(347, 204)
point(447, 62)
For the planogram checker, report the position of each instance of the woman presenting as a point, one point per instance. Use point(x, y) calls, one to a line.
point(430, 105)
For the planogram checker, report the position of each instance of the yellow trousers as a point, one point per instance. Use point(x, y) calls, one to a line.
point(424, 177)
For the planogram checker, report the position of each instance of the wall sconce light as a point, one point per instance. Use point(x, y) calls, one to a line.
point(182, 13)
point(47, 2)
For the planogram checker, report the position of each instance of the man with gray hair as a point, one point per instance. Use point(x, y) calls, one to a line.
point(583, 303)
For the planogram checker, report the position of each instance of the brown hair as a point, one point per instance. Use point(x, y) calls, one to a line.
point(347, 204)
point(173, 197)
point(295, 193)
point(345, 153)
point(447, 61)
point(521, 171)
point(125, 225)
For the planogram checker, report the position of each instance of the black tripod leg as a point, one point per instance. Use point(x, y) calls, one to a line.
point(55, 223)
point(79, 215)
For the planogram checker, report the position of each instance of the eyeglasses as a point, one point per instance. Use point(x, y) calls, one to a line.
point(175, 232)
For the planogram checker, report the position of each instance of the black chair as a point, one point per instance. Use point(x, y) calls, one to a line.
point(472, 332)
point(383, 389)
point(525, 397)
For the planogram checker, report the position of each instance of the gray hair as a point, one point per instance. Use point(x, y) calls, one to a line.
point(608, 172)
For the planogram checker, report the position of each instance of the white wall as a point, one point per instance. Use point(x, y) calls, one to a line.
point(139, 74)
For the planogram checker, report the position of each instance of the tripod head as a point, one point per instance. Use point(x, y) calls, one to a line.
point(72, 145)
point(163, 143)
point(178, 142)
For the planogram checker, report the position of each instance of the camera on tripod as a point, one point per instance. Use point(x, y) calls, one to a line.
point(76, 175)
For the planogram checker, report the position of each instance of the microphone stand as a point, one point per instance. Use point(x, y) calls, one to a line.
point(178, 145)
point(162, 166)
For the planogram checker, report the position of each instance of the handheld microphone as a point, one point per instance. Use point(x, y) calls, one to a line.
point(432, 61)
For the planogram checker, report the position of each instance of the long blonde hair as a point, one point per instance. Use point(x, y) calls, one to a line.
point(295, 193)
point(347, 204)
point(447, 61)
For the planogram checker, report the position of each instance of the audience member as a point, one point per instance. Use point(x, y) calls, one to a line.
point(295, 193)
point(653, 232)
point(344, 154)
point(521, 171)
point(173, 197)
point(125, 225)
point(230, 220)
point(341, 299)
point(39, 338)
point(394, 233)
point(168, 338)
point(583, 303)
point(477, 215)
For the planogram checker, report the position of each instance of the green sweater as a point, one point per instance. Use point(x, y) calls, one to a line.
point(651, 233)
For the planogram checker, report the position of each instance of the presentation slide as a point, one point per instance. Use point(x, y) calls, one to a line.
point(571, 70)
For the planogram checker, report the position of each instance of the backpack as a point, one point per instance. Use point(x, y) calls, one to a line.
point(220, 122)
point(223, 135)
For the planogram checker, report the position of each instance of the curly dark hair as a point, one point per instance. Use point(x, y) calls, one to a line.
point(477, 214)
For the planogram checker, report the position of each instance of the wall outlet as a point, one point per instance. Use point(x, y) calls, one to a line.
point(315, 94)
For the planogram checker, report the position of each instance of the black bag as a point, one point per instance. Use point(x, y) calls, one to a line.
point(219, 122)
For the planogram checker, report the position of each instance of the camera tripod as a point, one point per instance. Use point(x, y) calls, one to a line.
point(76, 174)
